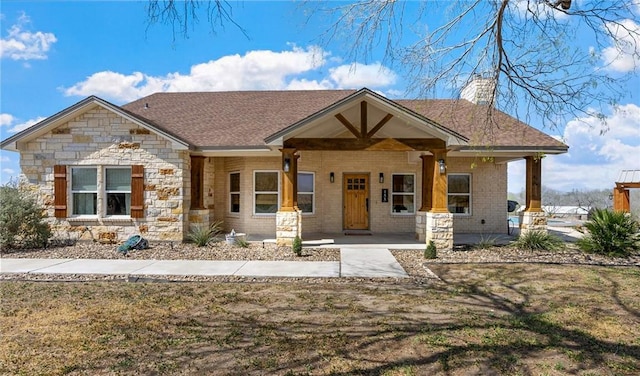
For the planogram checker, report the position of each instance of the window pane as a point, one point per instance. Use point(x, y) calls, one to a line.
point(305, 202)
point(403, 204)
point(458, 204)
point(458, 184)
point(234, 182)
point(118, 203)
point(266, 203)
point(403, 183)
point(118, 179)
point(84, 179)
point(84, 203)
point(235, 203)
point(305, 182)
point(266, 182)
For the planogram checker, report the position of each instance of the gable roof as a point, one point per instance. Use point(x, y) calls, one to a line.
point(252, 119)
point(389, 106)
point(79, 108)
point(246, 120)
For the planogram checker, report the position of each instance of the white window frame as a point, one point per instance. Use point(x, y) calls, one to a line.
point(255, 193)
point(312, 193)
point(72, 191)
point(238, 192)
point(392, 193)
point(470, 195)
point(106, 192)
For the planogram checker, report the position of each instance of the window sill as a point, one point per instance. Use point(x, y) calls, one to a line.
point(100, 220)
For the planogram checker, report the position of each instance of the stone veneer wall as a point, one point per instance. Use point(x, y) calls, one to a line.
point(101, 138)
point(489, 191)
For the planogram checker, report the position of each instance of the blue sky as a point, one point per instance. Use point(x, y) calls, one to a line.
point(54, 54)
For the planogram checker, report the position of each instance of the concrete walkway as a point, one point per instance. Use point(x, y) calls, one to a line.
point(367, 263)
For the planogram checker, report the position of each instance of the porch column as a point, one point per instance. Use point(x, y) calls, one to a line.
point(426, 189)
point(288, 218)
point(439, 219)
point(621, 200)
point(532, 217)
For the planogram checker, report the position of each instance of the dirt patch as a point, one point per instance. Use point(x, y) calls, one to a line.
point(493, 319)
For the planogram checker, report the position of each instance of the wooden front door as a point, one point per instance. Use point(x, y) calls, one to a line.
point(356, 201)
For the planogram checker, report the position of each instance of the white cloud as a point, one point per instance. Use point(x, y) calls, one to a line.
point(594, 160)
point(255, 70)
point(19, 127)
point(358, 75)
point(624, 54)
point(8, 171)
point(6, 119)
point(22, 44)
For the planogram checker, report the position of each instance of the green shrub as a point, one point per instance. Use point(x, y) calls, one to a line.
point(611, 233)
point(22, 222)
point(539, 241)
point(297, 246)
point(203, 235)
point(431, 252)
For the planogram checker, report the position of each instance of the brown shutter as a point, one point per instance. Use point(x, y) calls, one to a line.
point(137, 191)
point(60, 190)
point(197, 173)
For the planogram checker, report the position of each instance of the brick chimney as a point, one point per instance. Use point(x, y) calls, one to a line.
point(478, 90)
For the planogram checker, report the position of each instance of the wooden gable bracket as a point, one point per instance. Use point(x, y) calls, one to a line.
point(363, 134)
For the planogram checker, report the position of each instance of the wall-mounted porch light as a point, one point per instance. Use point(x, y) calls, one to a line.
point(442, 167)
point(286, 164)
point(381, 178)
point(332, 177)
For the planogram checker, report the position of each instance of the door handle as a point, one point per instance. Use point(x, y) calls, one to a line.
point(367, 203)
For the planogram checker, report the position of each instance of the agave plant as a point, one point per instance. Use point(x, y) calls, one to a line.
point(612, 233)
point(539, 241)
point(203, 235)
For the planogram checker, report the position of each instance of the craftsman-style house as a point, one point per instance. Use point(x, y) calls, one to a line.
point(281, 163)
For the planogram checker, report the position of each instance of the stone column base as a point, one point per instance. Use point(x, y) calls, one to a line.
point(288, 225)
point(533, 221)
point(439, 229)
point(421, 226)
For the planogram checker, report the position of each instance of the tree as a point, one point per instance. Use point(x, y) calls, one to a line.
point(527, 48)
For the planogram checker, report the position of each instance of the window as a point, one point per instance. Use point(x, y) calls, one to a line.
point(99, 191)
point(234, 192)
point(459, 193)
point(118, 190)
point(306, 192)
point(403, 193)
point(265, 191)
point(84, 190)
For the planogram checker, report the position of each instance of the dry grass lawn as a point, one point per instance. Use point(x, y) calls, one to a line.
point(506, 319)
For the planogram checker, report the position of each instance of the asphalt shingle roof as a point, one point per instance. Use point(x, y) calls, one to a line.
point(246, 118)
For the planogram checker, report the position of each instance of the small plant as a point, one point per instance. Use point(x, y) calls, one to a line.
point(431, 252)
point(22, 222)
point(486, 243)
point(242, 242)
point(611, 233)
point(297, 246)
point(539, 240)
point(203, 235)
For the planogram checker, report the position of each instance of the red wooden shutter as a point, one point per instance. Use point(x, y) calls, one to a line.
point(137, 191)
point(60, 190)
